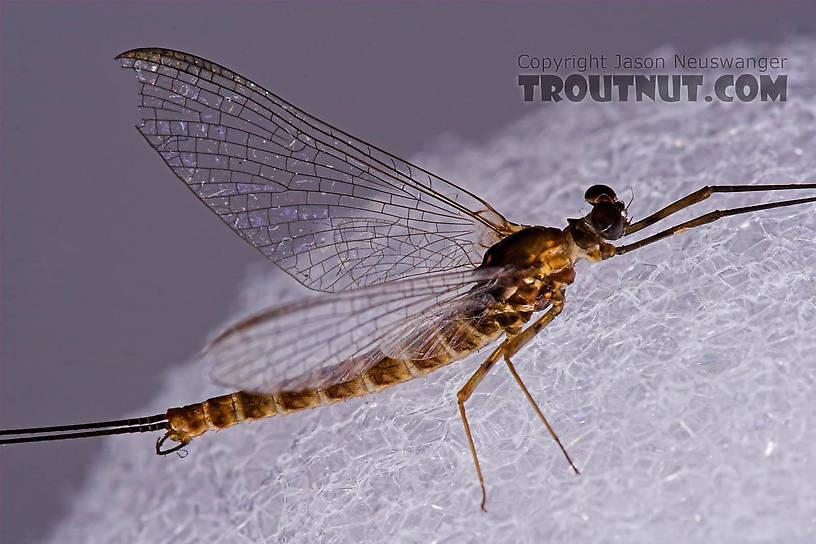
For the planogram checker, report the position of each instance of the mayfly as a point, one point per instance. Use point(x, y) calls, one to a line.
point(415, 272)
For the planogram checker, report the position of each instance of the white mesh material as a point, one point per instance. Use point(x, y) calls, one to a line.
point(680, 377)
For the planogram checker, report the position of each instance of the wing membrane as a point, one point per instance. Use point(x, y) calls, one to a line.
point(328, 339)
point(328, 208)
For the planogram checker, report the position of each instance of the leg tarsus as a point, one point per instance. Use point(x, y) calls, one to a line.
point(540, 414)
point(463, 395)
point(473, 451)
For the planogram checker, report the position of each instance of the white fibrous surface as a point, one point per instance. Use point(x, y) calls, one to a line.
point(680, 377)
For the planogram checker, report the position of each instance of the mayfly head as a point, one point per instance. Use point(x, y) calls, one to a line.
point(608, 215)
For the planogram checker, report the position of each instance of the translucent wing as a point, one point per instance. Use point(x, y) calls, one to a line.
point(328, 339)
point(331, 210)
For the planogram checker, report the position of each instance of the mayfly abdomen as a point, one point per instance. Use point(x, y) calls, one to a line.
point(224, 411)
point(216, 413)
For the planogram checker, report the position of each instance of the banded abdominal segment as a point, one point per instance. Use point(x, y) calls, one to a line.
point(217, 413)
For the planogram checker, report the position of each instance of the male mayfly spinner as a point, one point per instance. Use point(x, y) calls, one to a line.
point(416, 272)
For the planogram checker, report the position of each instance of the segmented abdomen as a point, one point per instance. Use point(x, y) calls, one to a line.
point(243, 406)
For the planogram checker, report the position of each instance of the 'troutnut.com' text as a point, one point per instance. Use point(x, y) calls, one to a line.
point(739, 85)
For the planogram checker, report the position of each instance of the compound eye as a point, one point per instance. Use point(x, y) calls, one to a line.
point(607, 219)
point(600, 193)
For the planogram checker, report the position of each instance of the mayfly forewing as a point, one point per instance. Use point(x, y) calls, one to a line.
point(329, 338)
point(328, 208)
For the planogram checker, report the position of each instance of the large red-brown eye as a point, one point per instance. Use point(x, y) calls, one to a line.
point(600, 193)
point(607, 219)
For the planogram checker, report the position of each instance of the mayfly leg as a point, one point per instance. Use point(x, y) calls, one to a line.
point(705, 219)
point(518, 341)
point(515, 344)
point(507, 349)
point(463, 395)
point(702, 194)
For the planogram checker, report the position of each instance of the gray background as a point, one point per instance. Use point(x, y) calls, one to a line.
point(112, 273)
